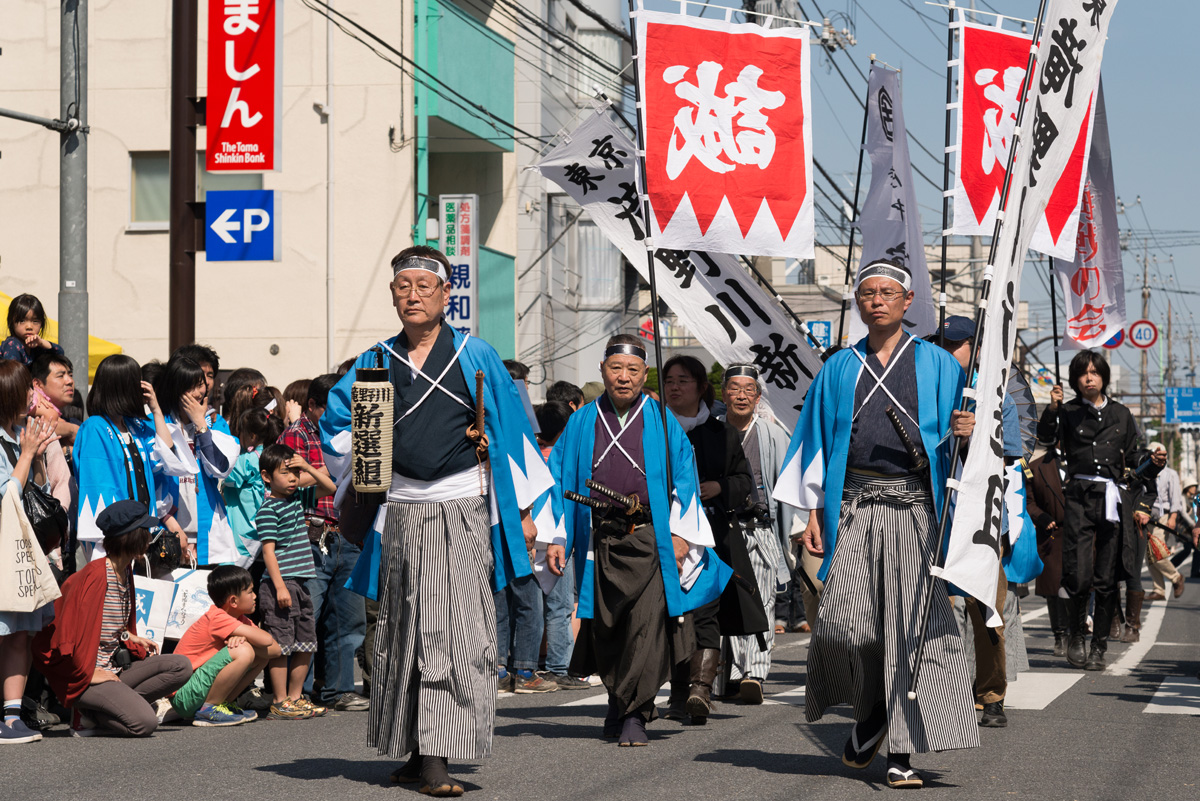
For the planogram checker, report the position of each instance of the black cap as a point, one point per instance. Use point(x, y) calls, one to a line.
point(959, 328)
point(122, 517)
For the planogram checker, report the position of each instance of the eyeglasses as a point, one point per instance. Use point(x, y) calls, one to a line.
point(404, 289)
point(741, 392)
point(887, 294)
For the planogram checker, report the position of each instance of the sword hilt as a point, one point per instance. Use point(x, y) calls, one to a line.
point(920, 462)
point(631, 502)
point(586, 501)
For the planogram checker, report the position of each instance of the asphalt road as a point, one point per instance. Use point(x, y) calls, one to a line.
point(1128, 733)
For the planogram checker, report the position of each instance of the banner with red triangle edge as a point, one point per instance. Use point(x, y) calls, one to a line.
point(727, 132)
point(992, 81)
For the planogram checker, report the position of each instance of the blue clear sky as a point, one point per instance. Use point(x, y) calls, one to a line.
point(1151, 108)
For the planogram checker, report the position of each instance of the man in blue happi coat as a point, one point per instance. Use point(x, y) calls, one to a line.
point(873, 520)
point(455, 528)
point(638, 574)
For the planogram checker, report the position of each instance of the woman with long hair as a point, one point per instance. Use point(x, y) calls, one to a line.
point(120, 453)
point(209, 451)
point(22, 459)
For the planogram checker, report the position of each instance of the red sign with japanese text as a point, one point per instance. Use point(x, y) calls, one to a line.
point(991, 84)
point(728, 146)
point(244, 105)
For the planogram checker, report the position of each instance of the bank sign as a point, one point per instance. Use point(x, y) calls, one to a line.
point(459, 217)
point(244, 108)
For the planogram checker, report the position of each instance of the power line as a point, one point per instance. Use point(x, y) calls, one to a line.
point(329, 12)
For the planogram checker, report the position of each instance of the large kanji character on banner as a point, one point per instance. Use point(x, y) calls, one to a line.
point(991, 86)
point(728, 146)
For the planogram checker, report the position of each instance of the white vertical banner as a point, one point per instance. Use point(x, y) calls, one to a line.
point(722, 306)
point(1094, 286)
point(1068, 59)
point(889, 221)
point(459, 217)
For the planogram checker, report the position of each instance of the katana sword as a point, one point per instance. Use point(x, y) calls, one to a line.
point(585, 500)
point(630, 502)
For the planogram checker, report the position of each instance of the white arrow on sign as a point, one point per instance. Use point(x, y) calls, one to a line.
point(223, 225)
point(253, 220)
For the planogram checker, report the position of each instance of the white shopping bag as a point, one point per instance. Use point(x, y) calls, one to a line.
point(190, 602)
point(153, 606)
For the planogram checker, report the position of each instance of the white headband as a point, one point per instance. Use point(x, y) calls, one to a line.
point(422, 263)
point(885, 269)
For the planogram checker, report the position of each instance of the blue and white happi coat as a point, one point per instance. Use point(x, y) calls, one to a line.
point(520, 478)
point(215, 540)
point(105, 473)
point(674, 510)
point(814, 470)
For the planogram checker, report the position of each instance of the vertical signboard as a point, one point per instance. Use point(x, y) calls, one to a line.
point(460, 243)
point(244, 107)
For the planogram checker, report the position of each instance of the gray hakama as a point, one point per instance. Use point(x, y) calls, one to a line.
point(434, 676)
point(868, 623)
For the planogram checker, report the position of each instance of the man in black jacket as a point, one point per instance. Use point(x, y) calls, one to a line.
point(1107, 500)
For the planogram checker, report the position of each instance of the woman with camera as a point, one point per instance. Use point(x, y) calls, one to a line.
point(22, 460)
point(91, 653)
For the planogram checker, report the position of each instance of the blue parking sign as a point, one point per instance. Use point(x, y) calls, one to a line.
point(241, 225)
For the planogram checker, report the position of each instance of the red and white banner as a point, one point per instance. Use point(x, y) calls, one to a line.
point(245, 86)
point(989, 91)
point(728, 142)
point(1094, 287)
point(1069, 58)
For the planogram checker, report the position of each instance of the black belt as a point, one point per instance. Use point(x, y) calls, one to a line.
point(620, 519)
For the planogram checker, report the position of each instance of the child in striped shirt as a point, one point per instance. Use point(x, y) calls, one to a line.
point(287, 607)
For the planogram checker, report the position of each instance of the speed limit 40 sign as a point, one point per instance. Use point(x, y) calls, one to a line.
point(1143, 334)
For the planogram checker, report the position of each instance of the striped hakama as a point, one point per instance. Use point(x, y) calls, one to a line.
point(434, 676)
point(868, 622)
point(766, 555)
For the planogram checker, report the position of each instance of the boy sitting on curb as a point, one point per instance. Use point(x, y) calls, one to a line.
point(226, 650)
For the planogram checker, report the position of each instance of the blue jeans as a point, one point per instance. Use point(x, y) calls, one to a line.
point(341, 617)
point(557, 610)
point(518, 644)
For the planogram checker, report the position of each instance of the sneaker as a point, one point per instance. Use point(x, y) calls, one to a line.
point(254, 698)
point(317, 711)
point(506, 682)
point(83, 726)
point(532, 683)
point(568, 682)
point(248, 714)
point(993, 716)
point(288, 711)
point(164, 711)
point(217, 715)
point(17, 732)
point(351, 702)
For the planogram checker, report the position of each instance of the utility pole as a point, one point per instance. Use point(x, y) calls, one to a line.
point(186, 114)
point(1145, 316)
point(1166, 382)
point(72, 189)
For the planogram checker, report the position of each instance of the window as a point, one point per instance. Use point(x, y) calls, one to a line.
point(599, 267)
point(150, 187)
point(150, 190)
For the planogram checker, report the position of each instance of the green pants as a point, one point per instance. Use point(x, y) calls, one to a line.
point(190, 697)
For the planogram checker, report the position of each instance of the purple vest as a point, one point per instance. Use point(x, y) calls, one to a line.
point(615, 471)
